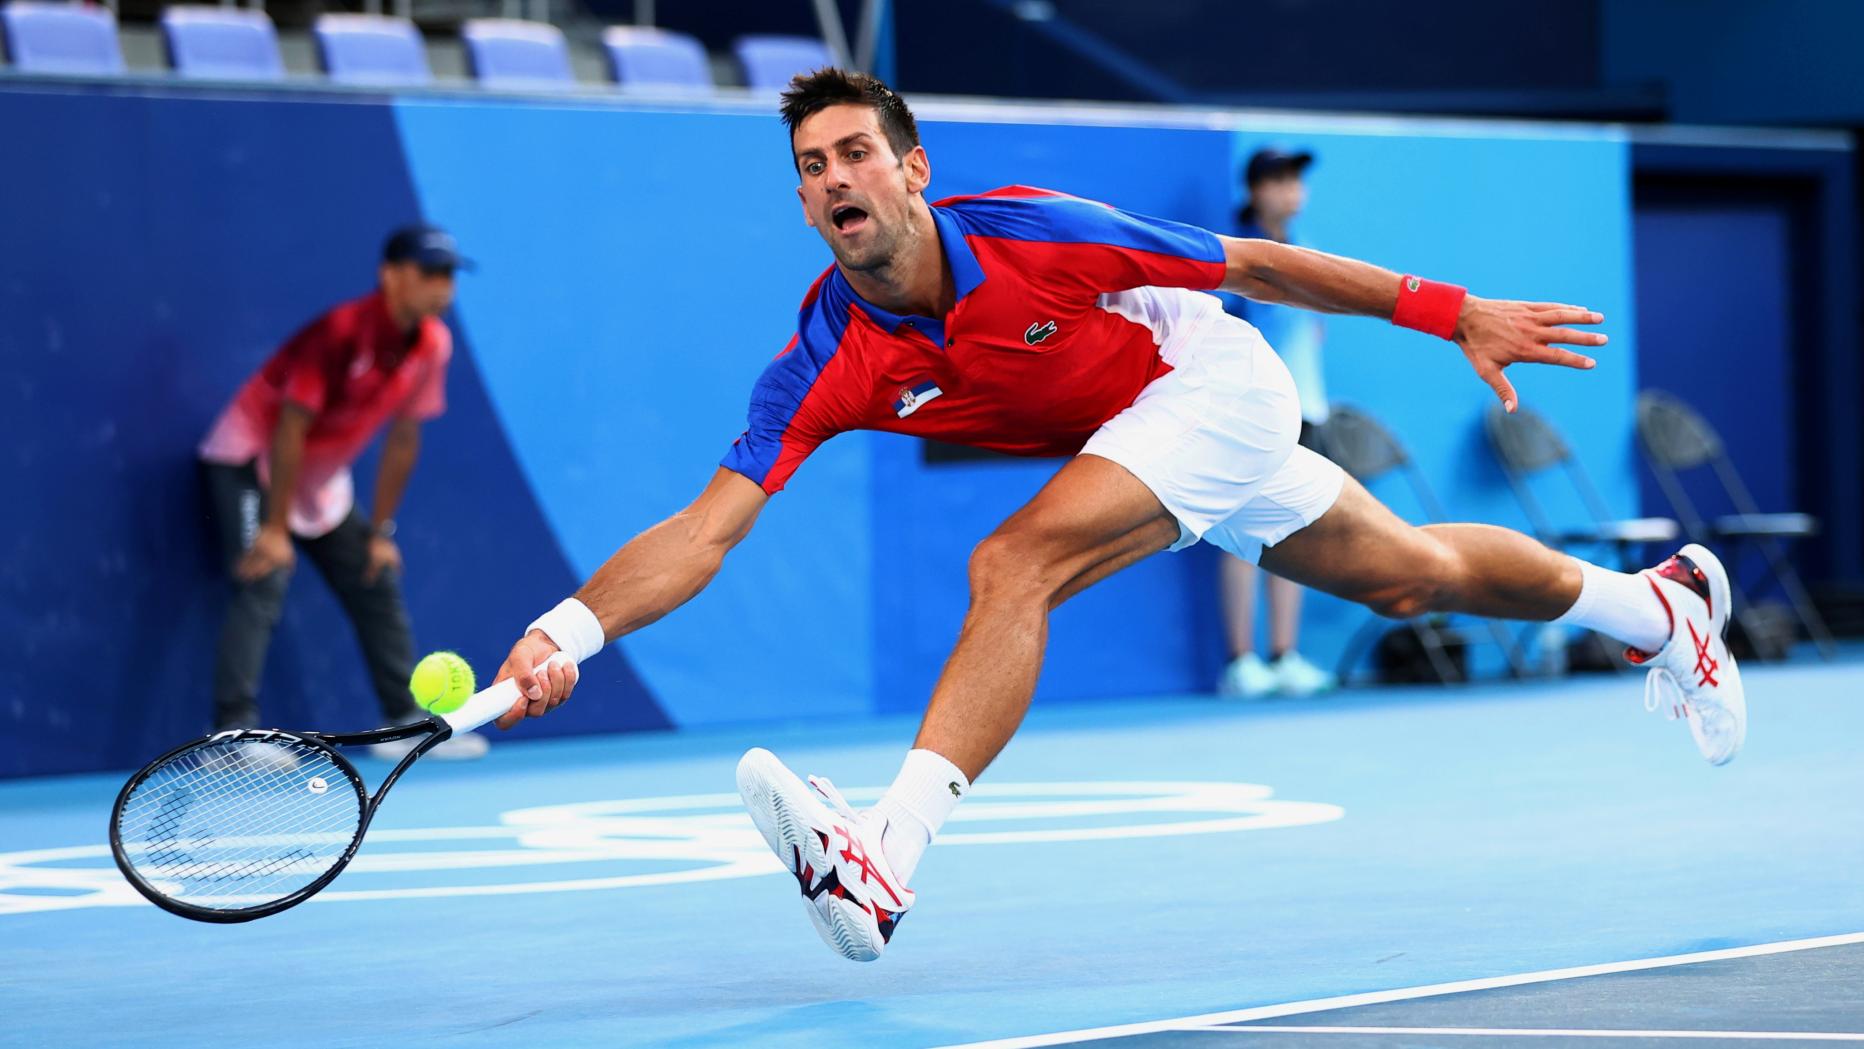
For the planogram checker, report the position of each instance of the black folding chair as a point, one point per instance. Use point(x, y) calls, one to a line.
point(1527, 445)
point(1364, 448)
point(1675, 439)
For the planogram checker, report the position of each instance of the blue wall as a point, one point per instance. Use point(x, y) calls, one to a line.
point(1692, 299)
point(1731, 61)
point(157, 249)
point(637, 270)
point(1541, 216)
point(640, 269)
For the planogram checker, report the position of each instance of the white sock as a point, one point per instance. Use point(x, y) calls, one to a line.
point(1619, 605)
point(915, 807)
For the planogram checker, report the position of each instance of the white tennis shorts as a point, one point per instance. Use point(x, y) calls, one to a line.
point(1214, 439)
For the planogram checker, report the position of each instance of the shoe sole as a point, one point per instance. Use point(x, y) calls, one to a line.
point(763, 781)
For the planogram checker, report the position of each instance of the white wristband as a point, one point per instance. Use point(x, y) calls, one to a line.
point(572, 628)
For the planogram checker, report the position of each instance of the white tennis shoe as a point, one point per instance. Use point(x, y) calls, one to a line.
point(1295, 676)
point(1247, 677)
point(847, 885)
point(1693, 676)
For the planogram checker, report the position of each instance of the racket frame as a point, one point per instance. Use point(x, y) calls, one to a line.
point(436, 729)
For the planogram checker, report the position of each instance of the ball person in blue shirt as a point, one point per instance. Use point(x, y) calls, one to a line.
point(1273, 179)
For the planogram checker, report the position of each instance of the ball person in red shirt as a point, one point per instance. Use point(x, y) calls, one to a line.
point(277, 470)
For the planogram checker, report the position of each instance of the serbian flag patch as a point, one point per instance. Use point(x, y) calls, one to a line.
point(911, 397)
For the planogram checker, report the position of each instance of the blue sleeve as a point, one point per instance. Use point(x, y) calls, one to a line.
point(1115, 249)
point(775, 440)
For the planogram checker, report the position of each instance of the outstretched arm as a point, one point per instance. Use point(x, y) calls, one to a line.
point(1493, 333)
point(653, 574)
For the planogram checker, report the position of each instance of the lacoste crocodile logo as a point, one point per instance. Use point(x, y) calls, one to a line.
point(1038, 332)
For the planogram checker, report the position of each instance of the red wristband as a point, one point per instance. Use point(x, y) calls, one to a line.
point(1429, 306)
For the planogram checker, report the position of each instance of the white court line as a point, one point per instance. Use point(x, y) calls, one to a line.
point(1315, 1005)
point(1546, 1032)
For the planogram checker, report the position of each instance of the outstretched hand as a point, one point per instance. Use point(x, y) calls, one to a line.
point(542, 685)
point(1495, 333)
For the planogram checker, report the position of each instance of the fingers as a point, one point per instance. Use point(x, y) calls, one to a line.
point(381, 563)
point(1547, 313)
point(549, 681)
point(1571, 314)
point(254, 566)
point(555, 679)
point(1502, 387)
point(1571, 337)
point(517, 667)
point(1562, 358)
point(542, 687)
point(567, 671)
point(529, 685)
point(511, 717)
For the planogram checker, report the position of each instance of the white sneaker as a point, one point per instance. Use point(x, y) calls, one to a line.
point(1693, 675)
point(1295, 676)
point(461, 746)
point(1247, 677)
point(848, 888)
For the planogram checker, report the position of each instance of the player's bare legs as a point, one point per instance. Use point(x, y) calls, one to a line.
point(1361, 551)
point(1092, 519)
point(1095, 518)
point(1672, 616)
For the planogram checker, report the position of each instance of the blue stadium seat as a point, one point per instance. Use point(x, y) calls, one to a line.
point(770, 61)
point(60, 38)
point(641, 57)
point(229, 43)
point(655, 58)
point(371, 49)
point(508, 52)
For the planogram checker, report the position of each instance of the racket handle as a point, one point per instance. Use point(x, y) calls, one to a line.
point(490, 702)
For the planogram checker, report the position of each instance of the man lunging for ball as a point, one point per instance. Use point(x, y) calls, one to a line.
point(1036, 323)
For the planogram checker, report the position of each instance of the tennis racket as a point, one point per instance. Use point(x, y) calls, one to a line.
point(246, 823)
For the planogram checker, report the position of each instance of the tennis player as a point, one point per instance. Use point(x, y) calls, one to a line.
point(1036, 323)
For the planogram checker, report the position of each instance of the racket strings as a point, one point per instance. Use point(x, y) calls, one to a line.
point(237, 823)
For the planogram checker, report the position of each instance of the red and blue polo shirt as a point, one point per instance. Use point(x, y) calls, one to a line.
point(1063, 306)
point(356, 371)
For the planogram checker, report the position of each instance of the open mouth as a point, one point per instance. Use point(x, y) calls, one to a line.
point(847, 217)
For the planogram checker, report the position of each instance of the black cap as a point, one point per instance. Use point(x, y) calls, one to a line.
point(1271, 161)
point(428, 247)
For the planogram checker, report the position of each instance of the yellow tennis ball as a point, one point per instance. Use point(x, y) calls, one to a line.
point(442, 682)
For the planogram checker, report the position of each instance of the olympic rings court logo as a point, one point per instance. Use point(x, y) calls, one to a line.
point(635, 842)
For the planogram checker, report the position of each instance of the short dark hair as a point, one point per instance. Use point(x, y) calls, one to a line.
point(810, 93)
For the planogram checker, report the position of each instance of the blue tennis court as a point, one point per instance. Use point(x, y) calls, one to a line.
point(1376, 869)
point(339, 335)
